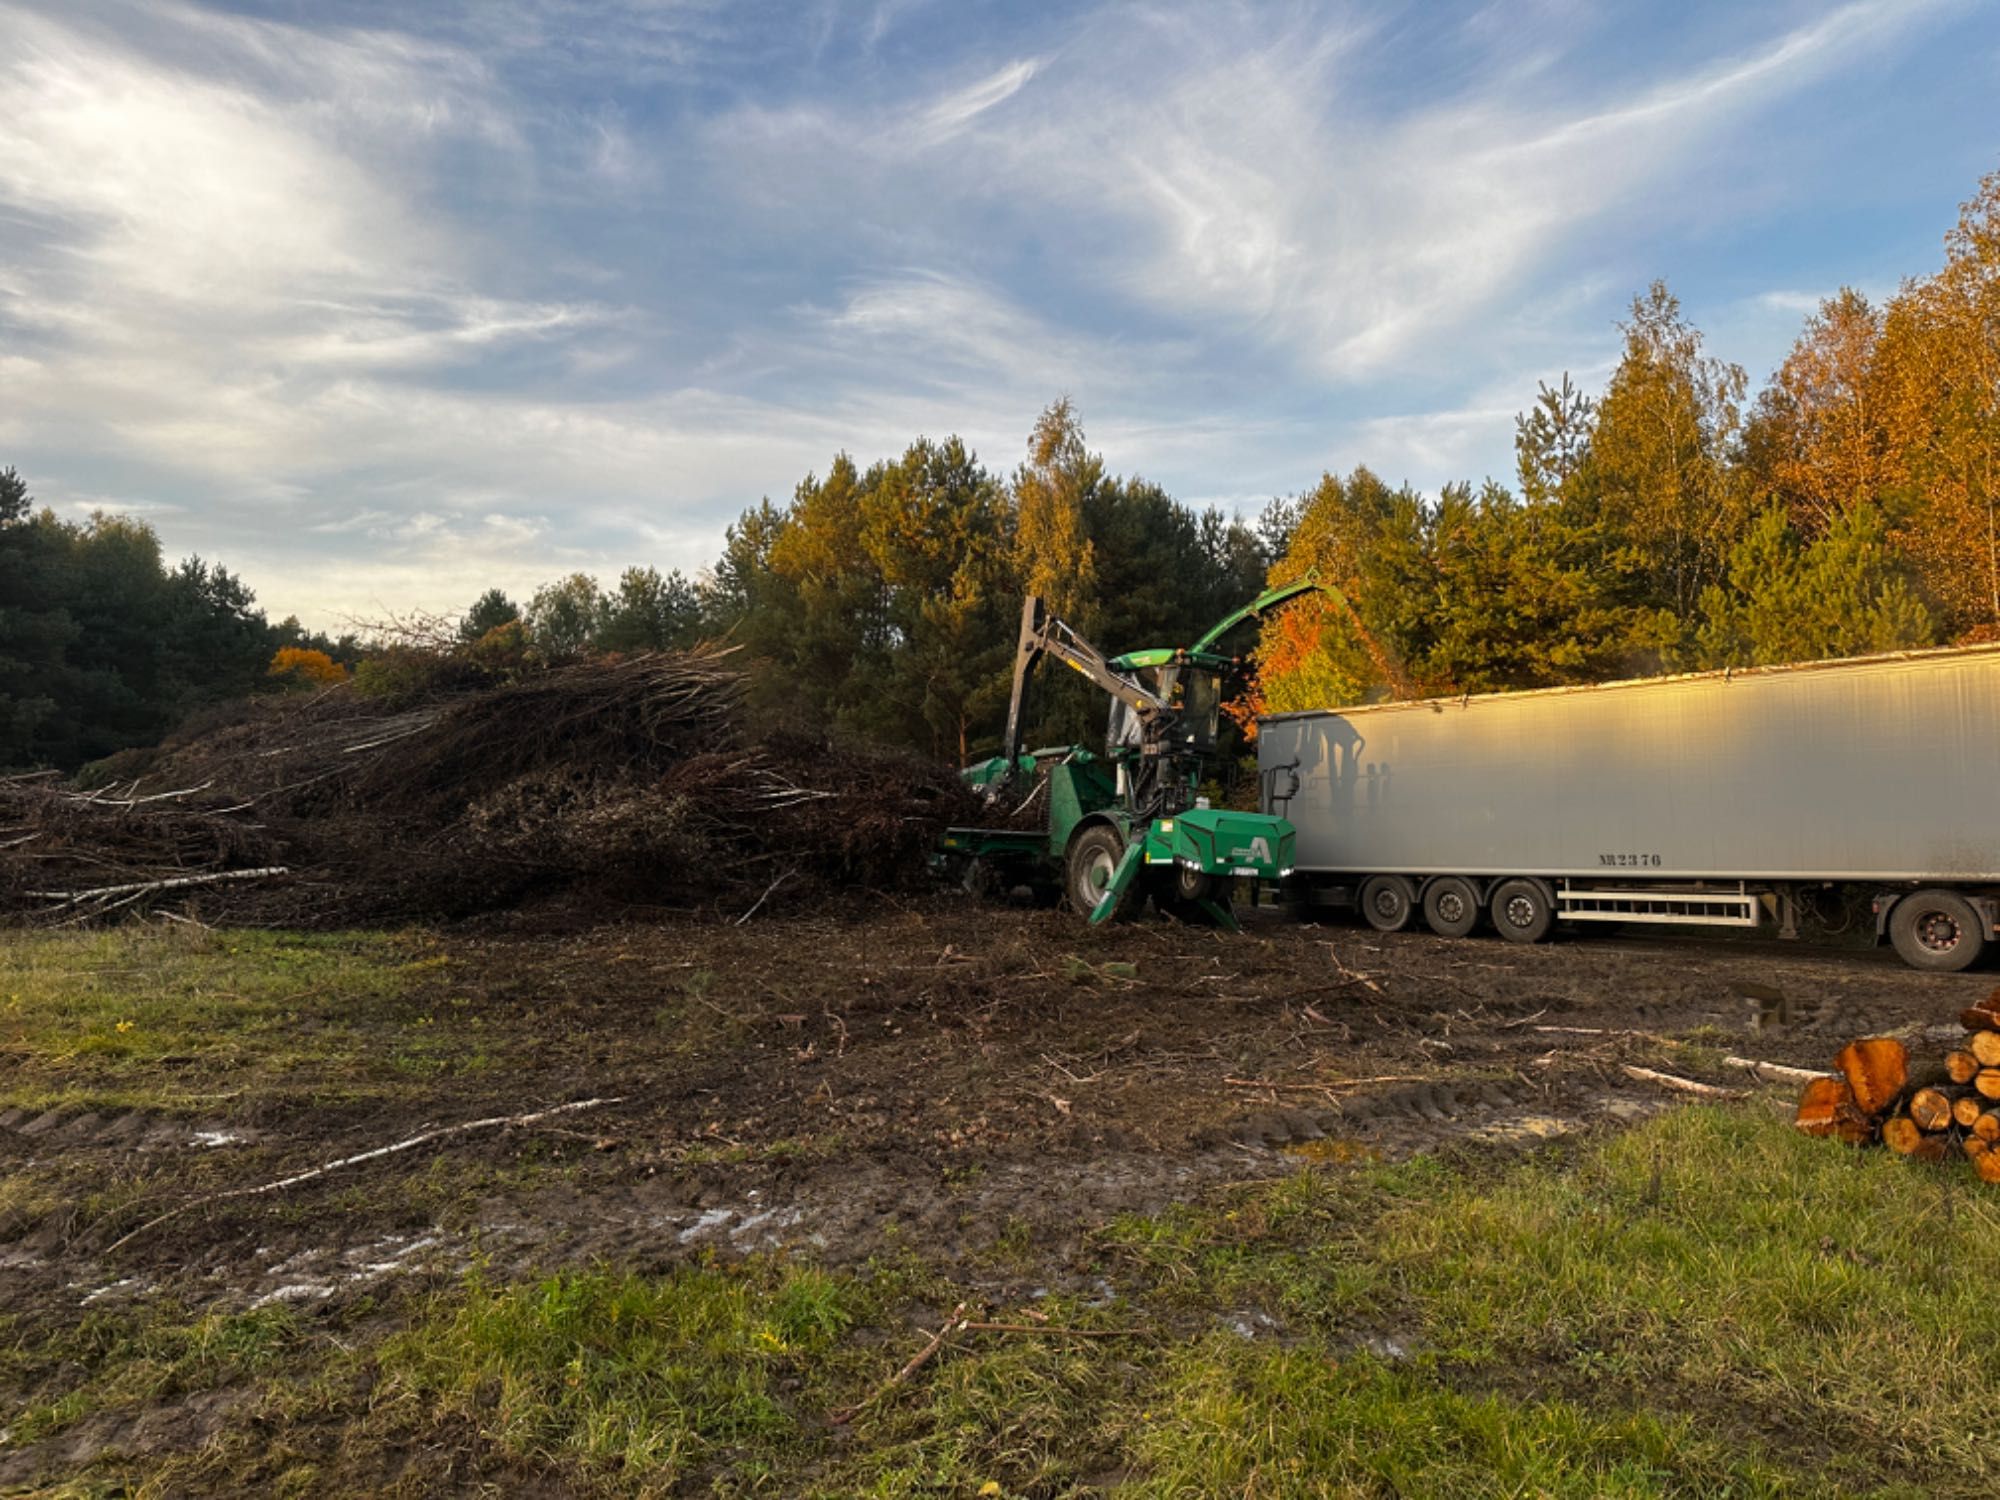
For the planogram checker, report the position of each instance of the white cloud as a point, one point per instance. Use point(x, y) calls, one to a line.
point(1232, 172)
point(310, 285)
point(953, 333)
point(956, 110)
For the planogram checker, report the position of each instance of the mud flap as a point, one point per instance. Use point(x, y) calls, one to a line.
point(1121, 878)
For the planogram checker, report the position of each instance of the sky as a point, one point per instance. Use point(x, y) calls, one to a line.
point(383, 303)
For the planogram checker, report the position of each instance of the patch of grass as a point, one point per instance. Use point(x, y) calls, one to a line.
point(1033, 1415)
point(631, 1381)
point(1232, 1418)
point(1822, 1311)
point(133, 1359)
point(1708, 1305)
point(188, 1020)
point(1717, 1261)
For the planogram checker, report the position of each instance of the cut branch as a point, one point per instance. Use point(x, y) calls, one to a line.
point(1681, 1085)
point(146, 887)
point(354, 1161)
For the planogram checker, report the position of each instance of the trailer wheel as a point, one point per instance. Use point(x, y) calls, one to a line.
point(1387, 902)
point(1451, 907)
point(1937, 930)
point(1522, 910)
point(1093, 858)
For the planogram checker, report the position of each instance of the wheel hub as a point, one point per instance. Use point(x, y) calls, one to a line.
point(1097, 875)
point(1520, 911)
point(1938, 932)
point(1451, 906)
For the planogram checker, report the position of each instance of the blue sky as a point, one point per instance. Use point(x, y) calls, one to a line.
point(381, 303)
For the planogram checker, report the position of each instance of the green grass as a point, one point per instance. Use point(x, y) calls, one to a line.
point(1707, 1305)
point(624, 1379)
point(1232, 1419)
point(190, 1021)
point(127, 1361)
point(1762, 1279)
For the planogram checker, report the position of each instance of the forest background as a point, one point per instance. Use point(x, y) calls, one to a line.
point(1672, 521)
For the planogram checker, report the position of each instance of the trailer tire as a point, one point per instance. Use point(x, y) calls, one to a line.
point(1523, 911)
point(1451, 907)
point(1937, 930)
point(1387, 902)
point(1093, 856)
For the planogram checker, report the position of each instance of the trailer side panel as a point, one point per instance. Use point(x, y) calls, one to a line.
point(1880, 769)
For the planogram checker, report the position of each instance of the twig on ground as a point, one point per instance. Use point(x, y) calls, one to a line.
point(787, 875)
point(1770, 1072)
point(1644, 1036)
point(1329, 1083)
point(1047, 1329)
point(951, 1325)
point(350, 1161)
point(1681, 1085)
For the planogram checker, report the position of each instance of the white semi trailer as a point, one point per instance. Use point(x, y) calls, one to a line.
point(1711, 799)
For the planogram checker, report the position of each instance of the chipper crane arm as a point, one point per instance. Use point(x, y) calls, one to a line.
point(1042, 634)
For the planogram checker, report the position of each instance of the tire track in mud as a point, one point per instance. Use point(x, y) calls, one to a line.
point(24, 1131)
point(845, 1210)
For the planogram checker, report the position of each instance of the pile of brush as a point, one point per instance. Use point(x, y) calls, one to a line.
point(1952, 1111)
point(627, 781)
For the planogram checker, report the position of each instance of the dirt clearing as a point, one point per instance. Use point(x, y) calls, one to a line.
point(941, 1100)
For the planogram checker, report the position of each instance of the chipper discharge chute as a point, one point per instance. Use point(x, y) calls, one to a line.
point(1121, 827)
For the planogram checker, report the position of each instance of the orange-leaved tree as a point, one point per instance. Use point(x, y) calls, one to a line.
point(298, 664)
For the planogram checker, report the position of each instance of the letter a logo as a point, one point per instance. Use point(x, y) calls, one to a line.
point(1260, 851)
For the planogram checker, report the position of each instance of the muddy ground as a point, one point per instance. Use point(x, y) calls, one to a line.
point(939, 1078)
point(941, 1072)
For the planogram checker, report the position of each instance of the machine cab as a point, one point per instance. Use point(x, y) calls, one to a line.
point(1194, 691)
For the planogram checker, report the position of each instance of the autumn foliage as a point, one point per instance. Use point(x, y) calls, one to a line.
point(1674, 524)
point(302, 665)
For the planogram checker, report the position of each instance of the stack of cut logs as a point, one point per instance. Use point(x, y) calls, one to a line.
point(1954, 1112)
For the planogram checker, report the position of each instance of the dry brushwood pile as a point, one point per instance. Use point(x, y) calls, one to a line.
point(1952, 1111)
point(624, 780)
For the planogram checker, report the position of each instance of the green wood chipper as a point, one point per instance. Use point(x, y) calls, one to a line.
point(1115, 829)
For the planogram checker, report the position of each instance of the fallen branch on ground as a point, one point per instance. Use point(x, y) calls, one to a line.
point(1074, 1333)
point(951, 1325)
point(1644, 1036)
point(1681, 1085)
point(787, 875)
point(145, 887)
point(1331, 1083)
point(1775, 1072)
point(351, 1161)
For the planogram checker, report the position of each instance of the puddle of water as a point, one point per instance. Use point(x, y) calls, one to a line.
point(111, 1289)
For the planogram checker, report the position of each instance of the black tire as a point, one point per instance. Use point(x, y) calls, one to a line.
point(1175, 889)
point(1093, 856)
point(1938, 931)
point(1451, 907)
point(1188, 884)
point(1387, 902)
point(1523, 911)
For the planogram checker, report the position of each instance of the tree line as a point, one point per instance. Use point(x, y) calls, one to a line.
point(1671, 524)
point(1667, 522)
point(103, 645)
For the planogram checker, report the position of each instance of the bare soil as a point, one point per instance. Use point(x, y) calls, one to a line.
point(978, 1085)
point(941, 1072)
